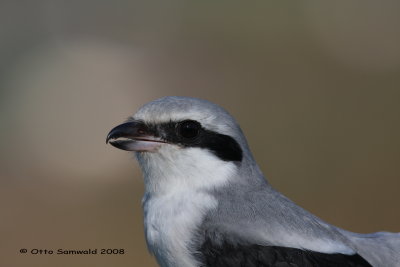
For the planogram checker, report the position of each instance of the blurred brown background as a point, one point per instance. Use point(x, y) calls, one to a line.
point(315, 86)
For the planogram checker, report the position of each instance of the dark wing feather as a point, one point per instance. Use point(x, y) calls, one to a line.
point(227, 254)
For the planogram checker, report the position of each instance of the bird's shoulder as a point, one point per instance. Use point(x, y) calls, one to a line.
point(218, 250)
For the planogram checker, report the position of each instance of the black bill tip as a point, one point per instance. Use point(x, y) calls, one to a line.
point(121, 144)
point(133, 136)
point(128, 130)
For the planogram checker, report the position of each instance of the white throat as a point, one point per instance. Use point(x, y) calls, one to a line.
point(173, 168)
point(177, 181)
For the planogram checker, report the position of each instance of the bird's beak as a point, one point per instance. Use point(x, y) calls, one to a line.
point(133, 136)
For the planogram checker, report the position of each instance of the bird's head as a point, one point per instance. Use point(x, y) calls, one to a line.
point(185, 139)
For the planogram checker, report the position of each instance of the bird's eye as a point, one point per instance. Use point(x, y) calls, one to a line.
point(189, 129)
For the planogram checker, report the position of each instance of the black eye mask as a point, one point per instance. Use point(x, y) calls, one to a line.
point(190, 133)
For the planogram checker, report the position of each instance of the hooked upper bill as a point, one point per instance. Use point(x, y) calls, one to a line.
point(140, 136)
point(133, 136)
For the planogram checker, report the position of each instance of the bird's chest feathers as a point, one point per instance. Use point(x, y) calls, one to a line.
point(177, 182)
point(170, 224)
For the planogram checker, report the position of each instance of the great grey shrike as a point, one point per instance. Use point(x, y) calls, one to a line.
point(207, 203)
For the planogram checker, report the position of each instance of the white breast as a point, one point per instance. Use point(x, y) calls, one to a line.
point(170, 222)
point(176, 199)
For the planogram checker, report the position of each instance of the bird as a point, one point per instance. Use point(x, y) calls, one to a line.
point(207, 203)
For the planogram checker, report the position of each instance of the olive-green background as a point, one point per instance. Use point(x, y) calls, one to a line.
point(315, 86)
